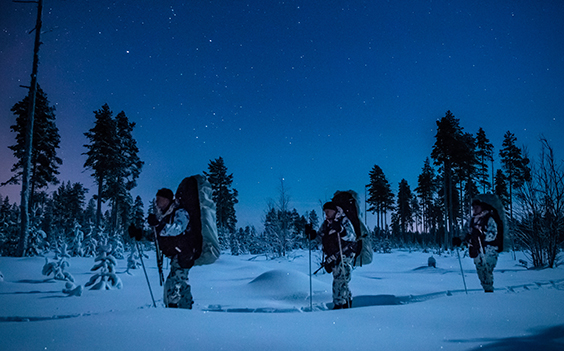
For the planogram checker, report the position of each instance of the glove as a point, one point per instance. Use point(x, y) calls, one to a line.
point(152, 219)
point(456, 241)
point(135, 232)
point(310, 232)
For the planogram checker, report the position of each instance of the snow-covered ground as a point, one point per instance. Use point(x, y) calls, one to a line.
point(251, 303)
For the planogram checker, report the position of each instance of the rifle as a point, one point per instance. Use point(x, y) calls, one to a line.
point(159, 257)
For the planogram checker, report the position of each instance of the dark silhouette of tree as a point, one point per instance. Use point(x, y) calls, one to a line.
point(404, 210)
point(225, 198)
point(514, 165)
point(124, 175)
point(426, 190)
point(112, 157)
point(484, 156)
point(500, 187)
point(44, 160)
point(68, 206)
point(447, 145)
point(380, 196)
point(101, 153)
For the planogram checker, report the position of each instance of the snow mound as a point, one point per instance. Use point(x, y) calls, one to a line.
point(285, 284)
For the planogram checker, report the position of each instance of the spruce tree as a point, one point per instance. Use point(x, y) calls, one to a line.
point(124, 175)
point(426, 190)
point(500, 187)
point(484, 156)
point(68, 206)
point(101, 154)
point(44, 161)
point(448, 144)
point(225, 198)
point(380, 196)
point(115, 164)
point(515, 166)
point(404, 210)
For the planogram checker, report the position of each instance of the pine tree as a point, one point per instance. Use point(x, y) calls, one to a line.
point(380, 196)
point(124, 175)
point(44, 161)
point(500, 187)
point(101, 153)
point(225, 198)
point(404, 211)
point(68, 206)
point(515, 166)
point(484, 156)
point(426, 189)
point(42, 164)
point(112, 156)
point(449, 143)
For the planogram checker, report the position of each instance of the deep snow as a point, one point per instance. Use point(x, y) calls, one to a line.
point(250, 302)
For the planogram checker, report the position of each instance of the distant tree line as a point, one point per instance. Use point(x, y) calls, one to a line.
point(460, 166)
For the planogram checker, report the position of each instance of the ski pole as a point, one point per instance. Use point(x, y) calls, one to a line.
point(159, 257)
point(145, 271)
point(461, 271)
point(310, 282)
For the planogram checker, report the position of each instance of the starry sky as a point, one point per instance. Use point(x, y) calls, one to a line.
point(309, 94)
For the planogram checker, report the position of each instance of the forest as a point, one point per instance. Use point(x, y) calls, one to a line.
point(460, 166)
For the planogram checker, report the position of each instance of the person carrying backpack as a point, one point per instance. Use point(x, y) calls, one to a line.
point(338, 239)
point(179, 242)
point(485, 241)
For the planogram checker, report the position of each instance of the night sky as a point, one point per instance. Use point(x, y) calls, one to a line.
point(314, 93)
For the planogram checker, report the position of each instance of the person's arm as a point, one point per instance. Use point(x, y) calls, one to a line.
point(178, 225)
point(491, 230)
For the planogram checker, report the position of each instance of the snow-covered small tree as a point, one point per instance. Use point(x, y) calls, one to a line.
point(37, 240)
point(90, 244)
point(133, 258)
point(105, 278)
point(77, 248)
point(116, 242)
point(57, 267)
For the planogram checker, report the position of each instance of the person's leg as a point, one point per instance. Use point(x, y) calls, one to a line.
point(177, 291)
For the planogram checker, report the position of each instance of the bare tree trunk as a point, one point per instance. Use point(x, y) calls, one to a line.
point(25, 194)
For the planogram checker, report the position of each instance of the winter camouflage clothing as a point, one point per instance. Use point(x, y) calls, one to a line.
point(484, 242)
point(177, 291)
point(485, 264)
point(342, 274)
point(176, 242)
point(339, 241)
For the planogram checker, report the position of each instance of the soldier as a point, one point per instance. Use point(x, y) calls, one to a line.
point(339, 243)
point(177, 242)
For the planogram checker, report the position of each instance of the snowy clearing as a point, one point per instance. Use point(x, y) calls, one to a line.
point(250, 302)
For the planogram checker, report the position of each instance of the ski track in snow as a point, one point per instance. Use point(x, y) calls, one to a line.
point(358, 302)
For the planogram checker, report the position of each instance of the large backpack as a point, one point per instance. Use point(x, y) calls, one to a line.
point(195, 195)
point(498, 215)
point(348, 201)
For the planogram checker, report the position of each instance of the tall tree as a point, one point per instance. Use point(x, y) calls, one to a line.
point(500, 187)
point(225, 198)
point(44, 160)
point(426, 190)
point(484, 156)
point(113, 158)
point(404, 210)
point(102, 151)
point(124, 175)
point(380, 196)
point(447, 144)
point(515, 166)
